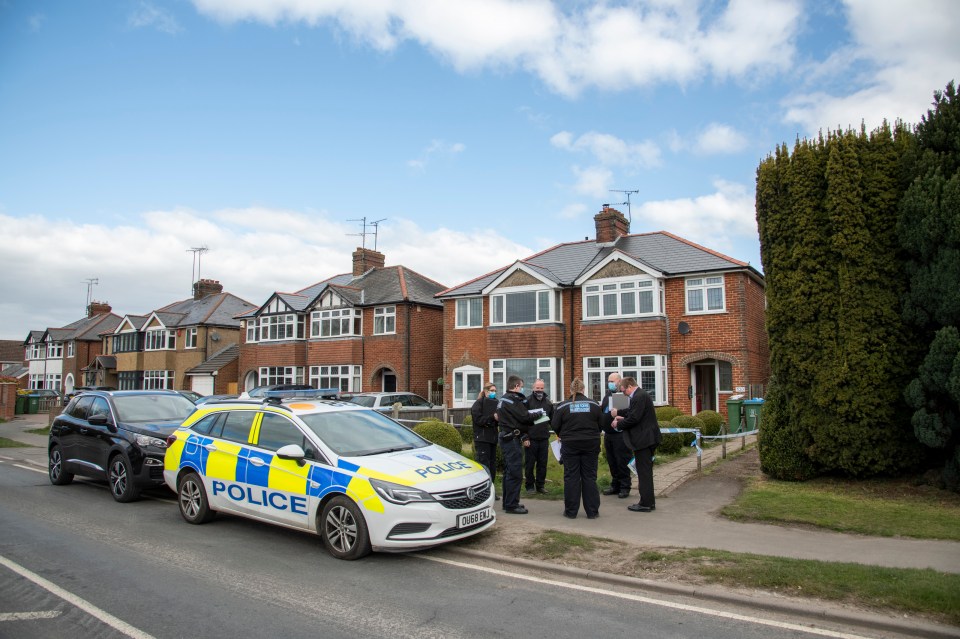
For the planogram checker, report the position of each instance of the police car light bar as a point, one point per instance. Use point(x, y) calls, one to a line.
point(313, 393)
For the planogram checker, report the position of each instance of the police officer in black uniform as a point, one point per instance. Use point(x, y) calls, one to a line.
point(618, 454)
point(535, 455)
point(515, 420)
point(577, 425)
point(485, 430)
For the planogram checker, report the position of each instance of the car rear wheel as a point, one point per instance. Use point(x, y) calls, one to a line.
point(343, 529)
point(58, 476)
point(121, 480)
point(192, 498)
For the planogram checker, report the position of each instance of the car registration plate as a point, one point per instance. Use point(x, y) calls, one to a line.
point(477, 516)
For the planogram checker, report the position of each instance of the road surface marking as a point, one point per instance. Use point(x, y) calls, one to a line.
point(117, 624)
point(656, 602)
point(32, 470)
point(29, 616)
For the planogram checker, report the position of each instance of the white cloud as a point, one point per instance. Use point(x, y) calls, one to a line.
point(148, 15)
point(436, 147)
point(569, 46)
point(253, 252)
point(594, 181)
point(719, 139)
point(610, 150)
point(719, 220)
point(897, 59)
point(572, 211)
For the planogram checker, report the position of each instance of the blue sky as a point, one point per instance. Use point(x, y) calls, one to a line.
point(479, 131)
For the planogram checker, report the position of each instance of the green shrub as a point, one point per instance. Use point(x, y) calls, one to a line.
point(672, 442)
point(712, 422)
point(667, 413)
point(440, 433)
point(466, 430)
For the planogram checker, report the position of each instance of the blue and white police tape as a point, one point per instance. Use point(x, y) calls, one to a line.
point(732, 435)
point(696, 438)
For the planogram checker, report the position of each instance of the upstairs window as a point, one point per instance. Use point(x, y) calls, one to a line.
point(55, 350)
point(385, 320)
point(624, 298)
point(281, 327)
point(522, 307)
point(335, 323)
point(160, 340)
point(470, 312)
point(70, 347)
point(128, 342)
point(705, 294)
point(190, 341)
point(251, 330)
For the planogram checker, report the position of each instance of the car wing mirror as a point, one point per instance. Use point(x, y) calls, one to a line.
point(97, 420)
point(292, 451)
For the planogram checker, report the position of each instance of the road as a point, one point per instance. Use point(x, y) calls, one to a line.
point(75, 563)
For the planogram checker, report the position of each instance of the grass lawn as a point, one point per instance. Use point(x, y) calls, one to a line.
point(879, 507)
point(9, 443)
point(40, 431)
point(911, 591)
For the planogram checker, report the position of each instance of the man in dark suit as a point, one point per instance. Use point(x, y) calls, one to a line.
point(618, 455)
point(641, 433)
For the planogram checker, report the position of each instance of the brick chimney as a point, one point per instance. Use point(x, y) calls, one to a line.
point(202, 288)
point(611, 224)
point(365, 259)
point(98, 308)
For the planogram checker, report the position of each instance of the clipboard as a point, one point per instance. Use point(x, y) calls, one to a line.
point(555, 449)
point(620, 401)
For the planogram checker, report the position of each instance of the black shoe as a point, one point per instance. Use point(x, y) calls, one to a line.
point(530, 490)
point(593, 516)
point(623, 494)
point(542, 490)
point(609, 491)
point(569, 516)
point(516, 510)
point(637, 508)
point(496, 498)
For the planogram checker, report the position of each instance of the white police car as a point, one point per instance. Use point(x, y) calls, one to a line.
point(353, 475)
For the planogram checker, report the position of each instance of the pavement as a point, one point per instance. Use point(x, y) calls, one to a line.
point(686, 516)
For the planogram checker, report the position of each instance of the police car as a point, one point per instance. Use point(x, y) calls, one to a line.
point(351, 474)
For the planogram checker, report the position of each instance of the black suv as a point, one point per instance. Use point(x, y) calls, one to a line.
point(119, 436)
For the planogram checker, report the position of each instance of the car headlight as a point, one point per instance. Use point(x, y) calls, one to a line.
point(146, 440)
point(397, 494)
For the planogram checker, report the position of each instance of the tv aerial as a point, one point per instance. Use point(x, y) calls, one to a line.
point(627, 203)
point(364, 233)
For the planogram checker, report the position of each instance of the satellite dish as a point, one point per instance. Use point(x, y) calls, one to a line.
point(215, 336)
point(683, 328)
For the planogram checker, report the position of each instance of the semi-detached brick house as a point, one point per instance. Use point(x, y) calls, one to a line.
point(162, 349)
point(378, 328)
point(59, 358)
point(686, 321)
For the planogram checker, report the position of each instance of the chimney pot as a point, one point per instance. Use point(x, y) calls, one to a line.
point(610, 224)
point(365, 259)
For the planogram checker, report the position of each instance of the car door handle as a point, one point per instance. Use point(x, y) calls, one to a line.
point(83, 431)
point(256, 461)
point(210, 448)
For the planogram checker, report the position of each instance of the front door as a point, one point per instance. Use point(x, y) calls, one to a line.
point(389, 382)
point(704, 387)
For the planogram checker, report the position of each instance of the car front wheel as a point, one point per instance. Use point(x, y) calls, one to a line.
point(58, 476)
point(343, 529)
point(121, 480)
point(192, 499)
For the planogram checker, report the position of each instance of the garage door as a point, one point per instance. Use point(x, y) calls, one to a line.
point(203, 384)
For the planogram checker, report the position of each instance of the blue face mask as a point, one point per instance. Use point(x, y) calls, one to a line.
point(612, 386)
point(492, 395)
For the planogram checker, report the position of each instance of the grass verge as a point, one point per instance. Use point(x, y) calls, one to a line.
point(9, 443)
point(881, 508)
point(40, 431)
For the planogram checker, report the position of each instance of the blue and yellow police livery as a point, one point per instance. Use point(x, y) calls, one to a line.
point(359, 479)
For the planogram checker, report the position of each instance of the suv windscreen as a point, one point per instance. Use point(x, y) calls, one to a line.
point(352, 433)
point(363, 400)
point(146, 408)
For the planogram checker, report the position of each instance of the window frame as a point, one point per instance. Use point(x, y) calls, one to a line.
point(190, 338)
point(547, 368)
point(618, 287)
point(645, 367)
point(159, 339)
point(351, 317)
point(499, 305)
point(353, 377)
point(270, 375)
point(385, 316)
point(157, 380)
point(471, 321)
point(701, 285)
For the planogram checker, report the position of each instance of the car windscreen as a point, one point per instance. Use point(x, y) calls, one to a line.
point(363, 400)
point(149, 408)
point(351, 433)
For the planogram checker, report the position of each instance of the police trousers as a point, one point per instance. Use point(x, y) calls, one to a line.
point(512, 471)
point(580, 461)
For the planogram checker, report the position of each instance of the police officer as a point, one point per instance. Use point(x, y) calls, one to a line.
point(577, 425)
point(485, 431)
point(641, 432)
point(618, 454)
point(535, 455)
point(515, 419)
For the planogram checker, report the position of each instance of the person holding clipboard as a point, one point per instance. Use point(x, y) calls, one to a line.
point(641, 433)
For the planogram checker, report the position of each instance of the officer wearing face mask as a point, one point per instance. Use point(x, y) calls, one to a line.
point(535, 455)
point(515, 420)
point(618, 455)
point(484, 412)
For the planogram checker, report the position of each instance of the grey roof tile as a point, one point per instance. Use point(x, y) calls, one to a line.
point(216, 361)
